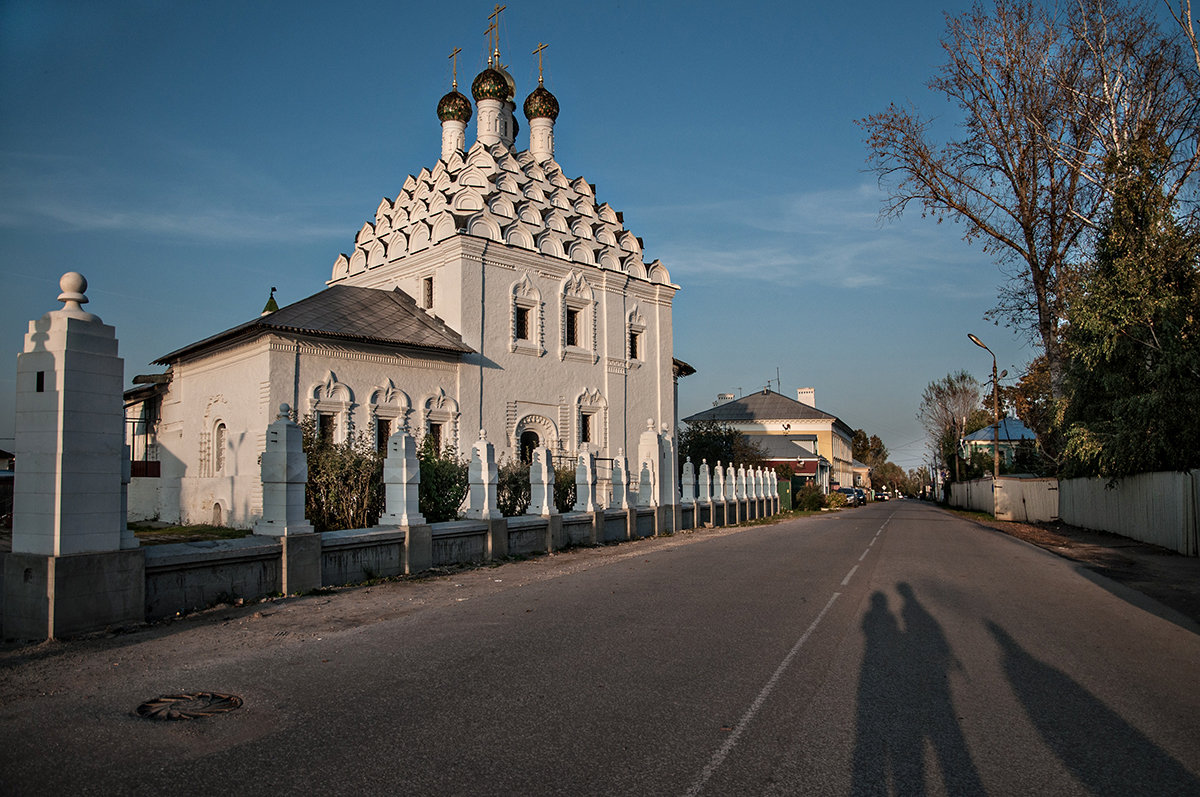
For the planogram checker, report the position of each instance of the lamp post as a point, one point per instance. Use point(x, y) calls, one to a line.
point(995, 408)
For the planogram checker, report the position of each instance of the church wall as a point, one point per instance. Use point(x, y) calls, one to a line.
point(214, 430)
point(361, 385)
point(241, 388)
point(509, 385)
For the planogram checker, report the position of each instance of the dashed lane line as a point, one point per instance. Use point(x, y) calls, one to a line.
point(729, 744)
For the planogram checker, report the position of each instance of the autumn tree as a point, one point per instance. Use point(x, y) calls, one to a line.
point(1045, 98)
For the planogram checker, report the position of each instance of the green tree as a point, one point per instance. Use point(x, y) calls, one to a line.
point(868, 450)
point(718, 442)
point(1133, 336)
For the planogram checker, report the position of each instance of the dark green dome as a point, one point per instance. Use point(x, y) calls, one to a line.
point(490, 85)
point(454, 106)
point(541, 104)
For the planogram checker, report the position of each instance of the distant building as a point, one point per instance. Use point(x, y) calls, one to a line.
point(1012, 434)
point(816, 443)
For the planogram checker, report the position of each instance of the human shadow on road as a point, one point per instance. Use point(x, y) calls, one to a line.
point(1105, 753)
point(904, 704)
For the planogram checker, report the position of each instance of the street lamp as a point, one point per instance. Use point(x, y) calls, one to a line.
point(995, 408)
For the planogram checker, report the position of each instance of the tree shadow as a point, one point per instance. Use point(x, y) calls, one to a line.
point(1105, 753)
point(904, 705)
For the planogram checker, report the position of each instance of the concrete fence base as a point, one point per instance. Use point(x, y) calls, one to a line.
point(153, 582)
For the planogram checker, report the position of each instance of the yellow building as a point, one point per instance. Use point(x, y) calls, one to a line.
point(780, 424)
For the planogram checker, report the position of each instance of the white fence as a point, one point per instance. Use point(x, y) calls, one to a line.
point(1158, 508)
point(1009, 498)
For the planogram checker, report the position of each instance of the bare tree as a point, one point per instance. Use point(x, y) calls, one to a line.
point(1045, 101)
point(1138, 87)
point(946, 406)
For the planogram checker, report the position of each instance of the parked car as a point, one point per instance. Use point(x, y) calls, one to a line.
point(862, 496)
point(851, 495)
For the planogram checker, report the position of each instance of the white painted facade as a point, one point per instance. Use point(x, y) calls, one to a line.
point(570, 331)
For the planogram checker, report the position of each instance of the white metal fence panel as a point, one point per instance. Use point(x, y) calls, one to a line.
point(1159, 508)
point(1026, 500)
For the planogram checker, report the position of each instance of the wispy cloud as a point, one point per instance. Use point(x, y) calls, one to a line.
point(70, 195)
point(830, 238)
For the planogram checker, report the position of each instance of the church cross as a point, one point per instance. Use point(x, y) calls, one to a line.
point(495, 26)
point(454, 60)
point(538, 53)
point(490, 29)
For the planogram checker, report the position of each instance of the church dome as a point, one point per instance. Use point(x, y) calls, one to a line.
point(541, 104)
point(454, 106)
point(490, 85)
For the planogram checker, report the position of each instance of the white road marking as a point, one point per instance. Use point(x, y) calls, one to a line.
point(846, 580)
point(725, 749)
point(864, 556)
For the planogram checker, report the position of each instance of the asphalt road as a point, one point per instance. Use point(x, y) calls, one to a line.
point(888, 649)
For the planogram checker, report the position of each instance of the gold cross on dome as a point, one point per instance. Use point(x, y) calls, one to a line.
point(538, 53)
point(495, 26)
point(490, 29)
point(454, 59)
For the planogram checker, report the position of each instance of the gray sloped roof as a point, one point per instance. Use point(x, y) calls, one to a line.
point(765, 405)
point(344, 312)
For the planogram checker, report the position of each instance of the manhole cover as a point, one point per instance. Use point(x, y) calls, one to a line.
point(188, 706)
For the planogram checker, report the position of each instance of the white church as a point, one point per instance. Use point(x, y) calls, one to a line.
point(493, 293)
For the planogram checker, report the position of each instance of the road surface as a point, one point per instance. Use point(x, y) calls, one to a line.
point(889, 649)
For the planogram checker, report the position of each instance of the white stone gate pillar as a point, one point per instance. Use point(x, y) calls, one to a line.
point(68, 572)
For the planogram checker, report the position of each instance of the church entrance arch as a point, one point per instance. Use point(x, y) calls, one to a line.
point(531, 432)
point(529, 441)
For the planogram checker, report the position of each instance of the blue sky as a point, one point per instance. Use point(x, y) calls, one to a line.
point(187, 156)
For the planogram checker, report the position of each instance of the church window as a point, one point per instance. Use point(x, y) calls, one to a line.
point(521, 323)
point(526, 331)
point(637, 337)
point(427, 293)
point(383, 430)
point(572, 327)
point(585, 426)
point(435, 436)
point(219, 436)
point(578, 338)
point(326, 427)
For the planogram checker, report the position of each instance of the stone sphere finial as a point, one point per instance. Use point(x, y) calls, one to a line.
point(73, 284)
point(650, 424)
point(284, 412)
point(483, 434)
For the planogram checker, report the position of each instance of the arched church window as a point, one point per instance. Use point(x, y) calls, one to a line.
point(219, 442)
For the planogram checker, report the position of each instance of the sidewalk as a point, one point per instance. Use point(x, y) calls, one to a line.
point(1158, 573)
